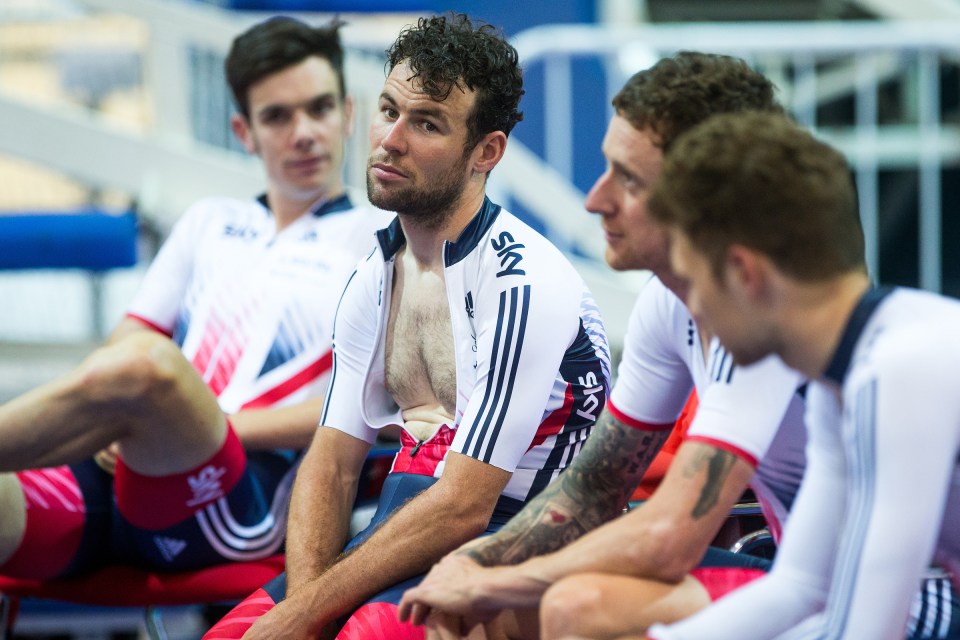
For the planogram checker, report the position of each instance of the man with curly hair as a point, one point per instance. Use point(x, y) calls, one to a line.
point(465, 327)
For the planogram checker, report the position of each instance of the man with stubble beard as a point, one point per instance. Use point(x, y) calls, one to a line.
point(465, 327)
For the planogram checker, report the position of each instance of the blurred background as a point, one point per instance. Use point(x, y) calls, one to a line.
point(115, 113)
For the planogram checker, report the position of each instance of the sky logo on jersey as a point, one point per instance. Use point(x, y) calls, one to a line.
point(590, 401)
point(507, 250)
point(206, 485)
point(239, 231)
point(169, 548)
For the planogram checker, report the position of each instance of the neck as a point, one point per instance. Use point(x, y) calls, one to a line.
point(816, 318)
point(674, 283)
point(287, 210)
point(425, 242)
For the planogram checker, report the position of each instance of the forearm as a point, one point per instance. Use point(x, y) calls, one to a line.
point(319, 516)
point(407, 544)
point(665, 537)
point(291, 427)
point(592, 491)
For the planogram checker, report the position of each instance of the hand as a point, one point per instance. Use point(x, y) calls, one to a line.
point(284, 621)
point(106, 458)
point(458, 585)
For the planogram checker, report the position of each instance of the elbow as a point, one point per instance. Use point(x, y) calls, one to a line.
point(662, 552)
point(471, 523)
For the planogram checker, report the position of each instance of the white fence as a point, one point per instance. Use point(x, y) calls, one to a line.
point(907, 65)
point(889, 80)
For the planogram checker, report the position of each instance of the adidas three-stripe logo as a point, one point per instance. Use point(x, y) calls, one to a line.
point(504, 361)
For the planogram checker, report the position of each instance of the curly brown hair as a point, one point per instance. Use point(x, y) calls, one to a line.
point(758, 180)
point(450, 51)
point(679, 92)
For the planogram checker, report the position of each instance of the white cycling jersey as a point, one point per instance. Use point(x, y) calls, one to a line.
point(881, 500)
point(755, 412)
point(251, 308)
point(532, 362)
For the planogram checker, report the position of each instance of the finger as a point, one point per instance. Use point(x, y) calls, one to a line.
point(403, 611)
point(420, 613)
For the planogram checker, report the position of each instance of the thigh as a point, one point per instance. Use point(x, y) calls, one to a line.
point(247, 523)
point(608, 606)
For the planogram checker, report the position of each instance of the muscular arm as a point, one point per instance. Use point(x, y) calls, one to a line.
point(662, 539)
point(665, 537)
point(321, 503)
point(447, 514)
point(593, 490)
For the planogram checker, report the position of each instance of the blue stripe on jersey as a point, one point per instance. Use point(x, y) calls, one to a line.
point(492, 410)
point(490, 377)
point(860, 506)
point(287, 344)
point(721, 365)
point(561, 456)
point(584, 370)
point(837, 369)
point(520, 333)
point(180, 327)
point(590, 320)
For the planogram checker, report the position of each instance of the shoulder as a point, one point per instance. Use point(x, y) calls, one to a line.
point(512, 251)
point(912, 337)
point(659, 312)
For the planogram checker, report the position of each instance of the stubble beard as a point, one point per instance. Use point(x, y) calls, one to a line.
point(430, 205)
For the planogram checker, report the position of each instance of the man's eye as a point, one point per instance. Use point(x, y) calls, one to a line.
point(272, 117)
point(322, 107)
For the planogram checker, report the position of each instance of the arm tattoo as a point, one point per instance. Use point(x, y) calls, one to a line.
point(592, 490)
point(717, 464)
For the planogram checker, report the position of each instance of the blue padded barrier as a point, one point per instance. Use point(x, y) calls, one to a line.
point(88, 239)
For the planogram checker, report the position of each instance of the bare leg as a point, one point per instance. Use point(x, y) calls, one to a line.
point(13, 516)
point(139, 391)
point(594, 605)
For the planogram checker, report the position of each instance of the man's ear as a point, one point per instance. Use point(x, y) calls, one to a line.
point(241, 129)
point(489, 151)
point(745, 269)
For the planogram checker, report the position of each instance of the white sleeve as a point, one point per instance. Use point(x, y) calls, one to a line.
point(354, 338)
point(653, 379)
point(743, 412)
point(795, 590)
point(164, 286)
point(902, 439)
point(524, 325)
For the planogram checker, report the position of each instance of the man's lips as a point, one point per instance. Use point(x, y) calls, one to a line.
point(306, 164)
point(385, 171)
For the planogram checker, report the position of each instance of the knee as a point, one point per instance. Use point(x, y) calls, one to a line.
point(137, 368)
point(569, 606)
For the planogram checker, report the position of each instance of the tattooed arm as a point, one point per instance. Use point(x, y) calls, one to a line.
point(593, 490)
point(662, 539)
